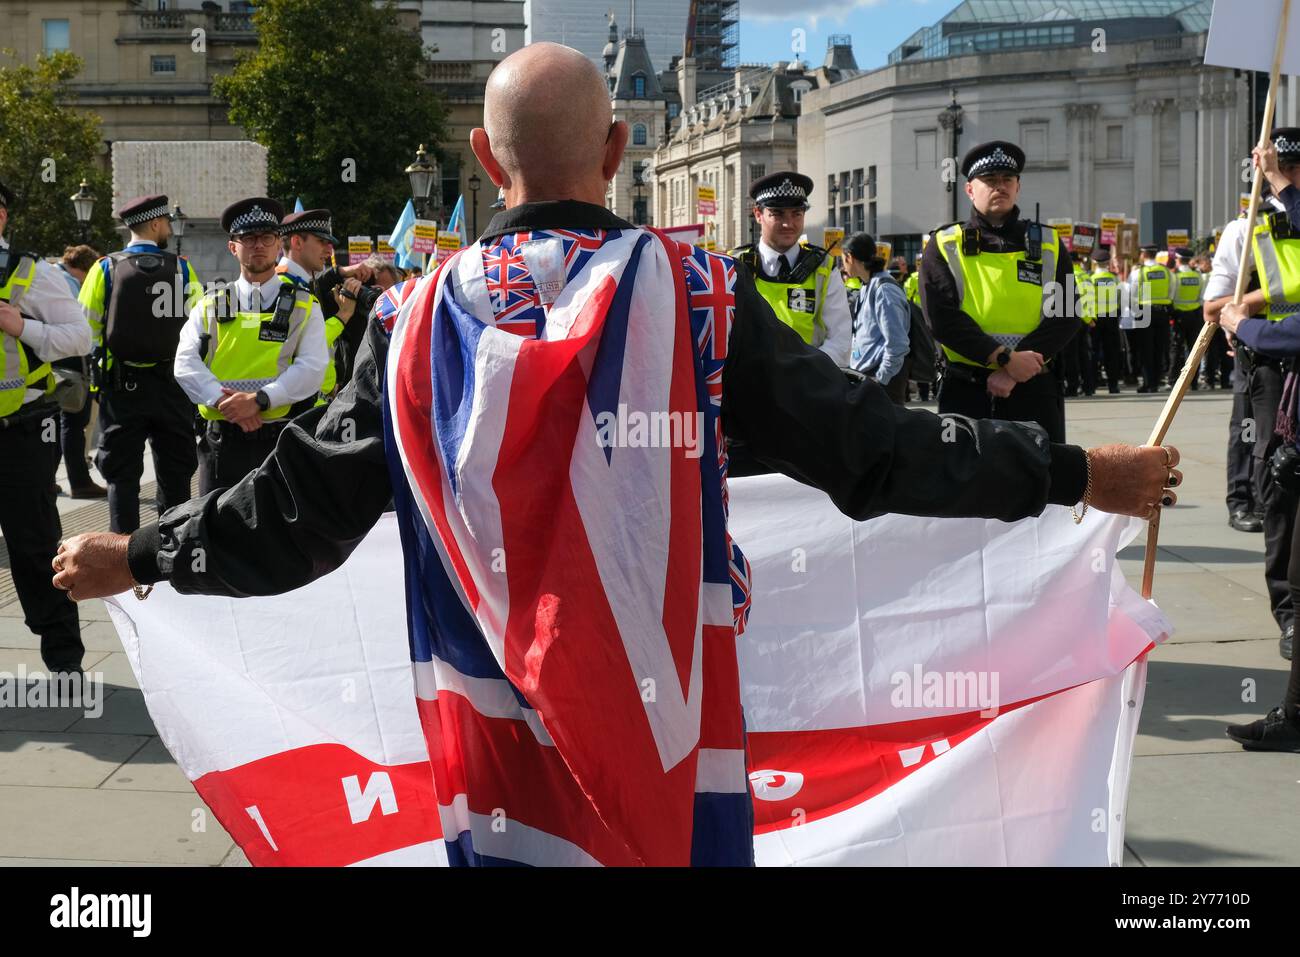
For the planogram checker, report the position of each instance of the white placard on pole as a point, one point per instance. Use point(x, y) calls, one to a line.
point(1239, 37)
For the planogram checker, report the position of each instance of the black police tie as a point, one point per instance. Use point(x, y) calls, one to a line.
point(783, 271)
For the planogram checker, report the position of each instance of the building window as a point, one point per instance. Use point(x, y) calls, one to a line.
point(638, 86)
point(55, 35)
point(859, 184)
point(162, 65)
point(927, 143)
point(845, 216)
point(639, 135)
point(757, 171)
point(871, 183)
point(1033, 140)
point(1115, 142)
point(859, 220)
point(872, 225)
point(673, 110)
point(830, 217)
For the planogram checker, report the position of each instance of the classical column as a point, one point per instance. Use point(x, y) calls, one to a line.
point(1187, 107)
point(1146, 151)
point(1082, 118)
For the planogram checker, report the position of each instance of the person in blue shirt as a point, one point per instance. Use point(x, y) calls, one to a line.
point(882, 319)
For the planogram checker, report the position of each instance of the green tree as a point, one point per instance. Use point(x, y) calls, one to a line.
point(337, 92)
point(46, 148)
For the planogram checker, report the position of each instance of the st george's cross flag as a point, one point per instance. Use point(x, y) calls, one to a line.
point(916, 691)
point(575, 607)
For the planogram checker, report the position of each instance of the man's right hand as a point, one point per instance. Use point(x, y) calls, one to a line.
point(1024, 366)
point(1133, 480)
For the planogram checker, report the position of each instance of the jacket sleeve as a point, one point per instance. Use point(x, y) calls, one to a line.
point(799, 414)
point(294, 519)
point(1279, 339)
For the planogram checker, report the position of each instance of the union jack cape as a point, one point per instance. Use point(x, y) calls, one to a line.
point(569, 591)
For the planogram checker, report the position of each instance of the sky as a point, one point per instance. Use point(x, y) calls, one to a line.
point(877, 26)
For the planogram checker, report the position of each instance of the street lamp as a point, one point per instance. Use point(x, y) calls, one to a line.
point(83, 201)
point(834, 191)
point(474, 184)
point(638, 183)
point(950, 120)
point(423, 173)
point(178, 226)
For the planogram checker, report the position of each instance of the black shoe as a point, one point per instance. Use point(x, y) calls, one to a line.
point(1273, 732)
point(1286, 642)
point(89, 491)
point(1244, 521)
point(1114, 390)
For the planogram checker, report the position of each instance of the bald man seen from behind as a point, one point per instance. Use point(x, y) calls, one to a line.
point(550, 142)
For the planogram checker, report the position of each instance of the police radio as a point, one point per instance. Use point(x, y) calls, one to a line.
point(1034, 238)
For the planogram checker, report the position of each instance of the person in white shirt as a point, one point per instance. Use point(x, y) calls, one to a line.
point(798, 280)
point(40, 321)
point(251, 351)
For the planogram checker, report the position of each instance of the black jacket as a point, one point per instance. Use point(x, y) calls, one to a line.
point(302, 513)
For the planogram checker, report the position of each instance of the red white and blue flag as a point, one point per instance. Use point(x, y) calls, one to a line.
point(914, 691)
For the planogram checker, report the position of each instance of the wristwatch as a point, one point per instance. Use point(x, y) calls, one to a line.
point(1004, 356)
point(263, 400)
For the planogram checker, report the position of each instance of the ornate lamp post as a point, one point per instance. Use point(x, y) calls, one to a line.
point(474, 184)
point(950, 120)
point(423, 174)
point(178, 226)
point(83, 201)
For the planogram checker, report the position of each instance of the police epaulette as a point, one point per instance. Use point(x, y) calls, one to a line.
point(812, 248)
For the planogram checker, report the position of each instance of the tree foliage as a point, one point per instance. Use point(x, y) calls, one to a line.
point(337, 91)
point(46, 148)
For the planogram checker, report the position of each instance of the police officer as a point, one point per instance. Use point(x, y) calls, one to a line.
point(1189, 284)
point(798, 280)
point(994, 290)
point(1080, 373)
point(1271, 291)
point(250, 350)
point(136, 301)
point(1151, 292)
point(309, 242)
point(1105, 309)
point(40, 322)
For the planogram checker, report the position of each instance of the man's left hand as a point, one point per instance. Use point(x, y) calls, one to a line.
point(1231, 316)
point(1000, 384)
point(11, 320)
point(93, 565)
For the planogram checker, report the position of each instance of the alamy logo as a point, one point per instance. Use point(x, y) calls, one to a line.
point(632, 429)
point(76, 909)
point(955, 690)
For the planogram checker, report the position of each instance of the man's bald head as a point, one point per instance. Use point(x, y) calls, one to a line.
point(548, 120)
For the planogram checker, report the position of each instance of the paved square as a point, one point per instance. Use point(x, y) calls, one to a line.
point(75, 789)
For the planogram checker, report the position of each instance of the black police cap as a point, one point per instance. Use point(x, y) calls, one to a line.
point(1101, 254)
point(996, 156)
point(257, 214)
point(787, 190)
point(144, 208)
point(316, 222)
point(1287, 141)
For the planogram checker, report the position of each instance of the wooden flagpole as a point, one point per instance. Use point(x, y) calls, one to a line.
point(1211, 329)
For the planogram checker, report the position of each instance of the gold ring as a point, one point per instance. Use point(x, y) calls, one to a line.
point(1169, 457)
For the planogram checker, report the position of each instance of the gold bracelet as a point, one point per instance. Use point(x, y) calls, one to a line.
point(1087, 490)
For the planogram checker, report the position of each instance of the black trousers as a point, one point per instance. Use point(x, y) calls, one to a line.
point(72, 442)
point(29, 521)
point(1080, 375)
point(1187, 326)
point(1218, 364)
point(1161, 331)
point(227, 453)
point(1107, 337)
point(1142, 353)
point(1279, 507)
point(145, 404)
point(1241, 463)
point(1038, 400)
